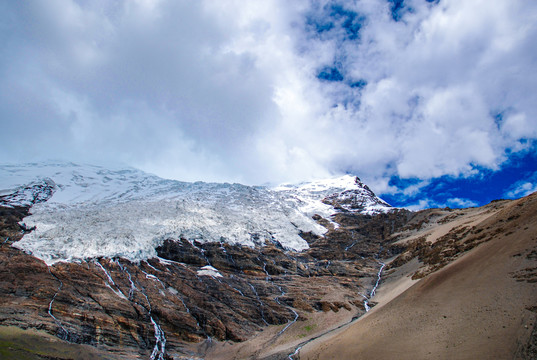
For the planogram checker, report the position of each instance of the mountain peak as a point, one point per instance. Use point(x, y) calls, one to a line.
point(343, 193)
point(340, 183)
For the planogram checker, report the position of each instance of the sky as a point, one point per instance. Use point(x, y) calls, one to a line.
point(430, 102)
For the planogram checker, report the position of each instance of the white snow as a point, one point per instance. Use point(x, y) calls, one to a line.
point(324, 186)
point(33, 193)
point(96, 211)
point(208, 270)
point(309, 196)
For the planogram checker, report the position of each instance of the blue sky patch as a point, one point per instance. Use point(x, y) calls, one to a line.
point(335, 19)
point(360, 84)
point(352, 23)
point(318, 27)
point(397, 8)
point(330, 74)
point(516, 178)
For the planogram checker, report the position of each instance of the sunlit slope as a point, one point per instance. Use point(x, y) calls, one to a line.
point(481, 306)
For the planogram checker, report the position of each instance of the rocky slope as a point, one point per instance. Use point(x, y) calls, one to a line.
point(186, 292)
point(464, 286)
point(168, 281)
point(110, 302)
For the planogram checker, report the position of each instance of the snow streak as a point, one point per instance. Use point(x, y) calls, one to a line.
point(151, 266)
point(153, 277)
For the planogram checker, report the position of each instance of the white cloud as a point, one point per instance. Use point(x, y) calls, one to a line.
point(430, 97)
point(228, 90)
point(460, 203)
point(522, 188)
point(423, 204)
point(428, 203)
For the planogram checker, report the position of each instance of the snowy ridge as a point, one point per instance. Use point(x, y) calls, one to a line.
point(357, 198)
point(91, 211)
point(31, 194)
point(86, 183)
point(324, 197)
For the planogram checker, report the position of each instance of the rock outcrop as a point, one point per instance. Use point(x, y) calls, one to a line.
point(118, 305)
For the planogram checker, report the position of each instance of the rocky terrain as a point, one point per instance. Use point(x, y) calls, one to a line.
point(191, 294)
point(464, 286)
point(231, 300)
point(110, 302)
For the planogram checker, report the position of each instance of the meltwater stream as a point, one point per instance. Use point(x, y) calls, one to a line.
point(268, 280)
point(159, 350)
point(366, 306)
point(110, 281)
point(260, 303)
point(372, 293)
point(65, 334)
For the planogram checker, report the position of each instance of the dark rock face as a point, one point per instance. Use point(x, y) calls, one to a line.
point(360, 236)
point(118, 305)
point(29, 195)
point(355, 200)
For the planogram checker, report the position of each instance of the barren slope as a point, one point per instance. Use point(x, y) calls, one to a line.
point(481, 306)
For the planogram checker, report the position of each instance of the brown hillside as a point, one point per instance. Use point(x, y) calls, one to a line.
point(482, 305)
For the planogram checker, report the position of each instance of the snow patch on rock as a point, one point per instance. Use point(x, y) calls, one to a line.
point(208, 270)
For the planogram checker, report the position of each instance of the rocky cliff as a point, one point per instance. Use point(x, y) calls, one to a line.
point(191, 291)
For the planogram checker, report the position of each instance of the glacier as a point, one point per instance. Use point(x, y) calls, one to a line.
point(85, 211)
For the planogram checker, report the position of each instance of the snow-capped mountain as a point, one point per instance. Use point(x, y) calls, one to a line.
point(84, 211)
point(324, 197)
